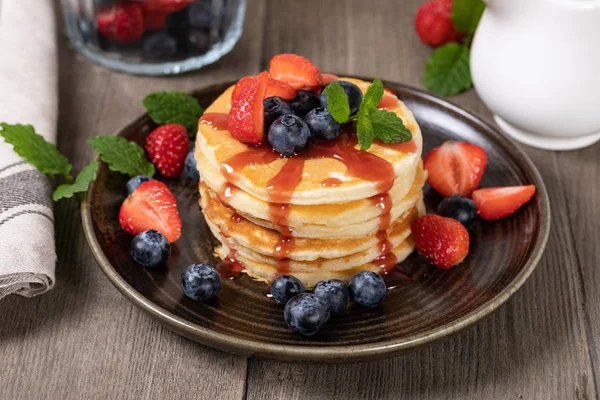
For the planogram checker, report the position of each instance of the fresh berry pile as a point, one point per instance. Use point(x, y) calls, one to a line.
point(160, 29)
point(455, 170)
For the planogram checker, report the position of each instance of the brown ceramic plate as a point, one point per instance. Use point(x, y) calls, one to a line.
point(242, 320)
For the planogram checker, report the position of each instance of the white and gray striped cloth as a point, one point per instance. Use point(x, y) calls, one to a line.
point(28, 95)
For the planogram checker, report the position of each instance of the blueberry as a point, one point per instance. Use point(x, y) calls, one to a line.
point(459, 208)
point(367, 288)
point(275, 107)
point(136, 181)
point(200, 282)
point(304, 102)
point(288, 135)
point(321, 124)
point(306, 314)
point(150, 248)
point(284, 287)
point(334, 292)
point(178, 26)
point(353, 93)
point(200, 14)
point(189, 169)
point(159, 46)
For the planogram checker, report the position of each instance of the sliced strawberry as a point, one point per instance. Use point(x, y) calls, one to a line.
point(280, 89)
point(164, 6)
point(246, 117)
point(167, 147)
point(151, 206)
point(240, 84)
point(500, 202)
point(444, 242)
point(455, 167)
point(329, 78)
point(296, 71)
point(123, 23)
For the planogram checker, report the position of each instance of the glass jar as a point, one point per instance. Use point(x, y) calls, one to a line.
point(154, 37)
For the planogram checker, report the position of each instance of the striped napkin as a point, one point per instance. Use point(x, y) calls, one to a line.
point(28, 95)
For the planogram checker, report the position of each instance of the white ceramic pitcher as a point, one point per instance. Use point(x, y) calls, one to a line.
point(536, 65)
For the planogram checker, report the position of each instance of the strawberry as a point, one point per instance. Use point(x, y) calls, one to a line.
point(240, 84)
point(246, 118)
point(329, 78)
point(433, 23)
point(455, 167)
point(280, 89)
point(164, 6)
point(151, 206)
point(123, 23)
point(296, 71)
point(500, 202)
point(444, 242)
point(167, 147)
point(154, 21)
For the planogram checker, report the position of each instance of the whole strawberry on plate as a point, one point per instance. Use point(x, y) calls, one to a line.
point(167, 147)
point(444, 242)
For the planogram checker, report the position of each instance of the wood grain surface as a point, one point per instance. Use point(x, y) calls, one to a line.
point(83, 340)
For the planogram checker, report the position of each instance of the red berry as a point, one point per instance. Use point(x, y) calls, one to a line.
point(123, 23)
point(280, 89)
point(329, 78)
point(433, 23)
point(455, 167)
point(296, 71)
point(241, 84)
point(444, 242)
point(167, 147)
point(154, 21)
point(500, 202)
point(246, 117)
point(164, 6)
point(151, 206)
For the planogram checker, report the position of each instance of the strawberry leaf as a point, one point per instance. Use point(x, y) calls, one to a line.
point(447, 70)
point(466, 15)
point(35, 150)
point(81, 184)
point(121, 155)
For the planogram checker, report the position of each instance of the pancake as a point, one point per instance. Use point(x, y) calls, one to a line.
point(362, 174)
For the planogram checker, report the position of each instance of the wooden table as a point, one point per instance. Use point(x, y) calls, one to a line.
point(83, 340)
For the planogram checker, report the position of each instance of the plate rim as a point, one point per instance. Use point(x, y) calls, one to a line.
point(337, 353)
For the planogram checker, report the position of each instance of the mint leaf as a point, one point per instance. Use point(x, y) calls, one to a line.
point(82, 183)
point(364, 132)
point(35, 150)
point(447, 70)
point(388, 127)
point(172, 107)
point(466, 15)
point(372, 97)
point(337, 102)
point(121, 155)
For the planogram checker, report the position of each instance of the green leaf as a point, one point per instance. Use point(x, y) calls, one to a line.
point(172, 107)
point(121, 155)
point(447, 70)
point(466, 15)
point(372, 97)
point(82, 183)
point(388, 127)
point(35, 150)
point(364, 132)
point(337, 102)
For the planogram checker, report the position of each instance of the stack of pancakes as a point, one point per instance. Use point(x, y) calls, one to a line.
point(327, 213)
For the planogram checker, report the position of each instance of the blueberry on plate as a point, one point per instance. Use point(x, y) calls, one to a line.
point(459, 208)
point(367, 288)
point(159, 46)
point(334, 292)
point(275, 107)
point(284, 287)
point(353, 93)
point(304, 102)
point(200, 282)
point(321, 124)
point(306, 314)
point(136, 181)
point(189, 168)
point(150, 248)
point(288, 135)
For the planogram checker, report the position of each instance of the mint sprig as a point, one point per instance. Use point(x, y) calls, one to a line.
point(370, 122)
point(121, 155)
point(173, 107)
point(81, 184)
